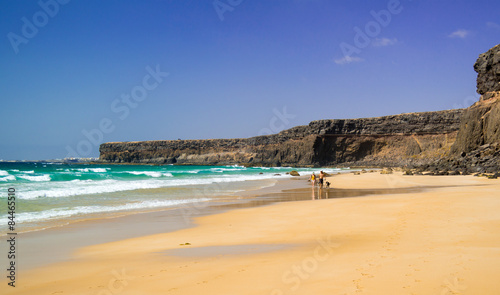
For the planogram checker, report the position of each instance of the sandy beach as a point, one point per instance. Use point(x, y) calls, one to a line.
point(429, 235)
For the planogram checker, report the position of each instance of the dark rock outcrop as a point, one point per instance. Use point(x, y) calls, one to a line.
point(480, 125)
point(477, 147)
point(487, 67)
point(391, 140)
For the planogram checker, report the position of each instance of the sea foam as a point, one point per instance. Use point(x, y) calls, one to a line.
point(81, 210)
point(44, 177)
point(8, 178)
point(148, 173)
point(95, 170)
point(89, 187)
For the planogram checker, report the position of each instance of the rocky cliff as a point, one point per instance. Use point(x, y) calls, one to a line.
point(477, 148)
point(384, 141)
point(487, 67)
point(461, 140)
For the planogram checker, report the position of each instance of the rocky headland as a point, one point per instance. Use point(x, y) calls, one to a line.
point(462, 140)
point(477, 147)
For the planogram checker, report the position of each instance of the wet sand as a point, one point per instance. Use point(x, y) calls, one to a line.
point(368, 234)
point(58, 243)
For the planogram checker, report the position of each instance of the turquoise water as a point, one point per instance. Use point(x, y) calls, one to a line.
point(51, 194)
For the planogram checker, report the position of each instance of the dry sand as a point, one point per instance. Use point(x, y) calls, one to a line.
point(441, 240)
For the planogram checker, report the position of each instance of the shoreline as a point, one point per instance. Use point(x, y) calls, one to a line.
point(441, 234)
point(59, 241)
point(57, 195)
point(65, 221)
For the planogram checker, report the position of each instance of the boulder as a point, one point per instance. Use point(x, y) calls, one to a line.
point(386, 171)
point(408, 172)
point(487, 67)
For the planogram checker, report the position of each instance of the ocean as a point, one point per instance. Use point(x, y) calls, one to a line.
point(54, 194)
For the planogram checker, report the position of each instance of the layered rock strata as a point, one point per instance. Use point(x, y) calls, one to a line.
point(383, 141)
point(459, 140)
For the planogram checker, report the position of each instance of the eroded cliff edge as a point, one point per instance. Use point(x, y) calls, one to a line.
point(463, 140)
point(414, 138)
point(477, 148)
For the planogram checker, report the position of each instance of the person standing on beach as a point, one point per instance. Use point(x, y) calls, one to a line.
point(321, 177)
point(313, 179)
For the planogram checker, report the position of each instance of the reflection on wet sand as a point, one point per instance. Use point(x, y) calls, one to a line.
point(307, 193)
point(317, 193)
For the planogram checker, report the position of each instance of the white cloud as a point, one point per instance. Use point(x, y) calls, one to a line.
point(459, 34)
point(493, 25)
point(348, 60)
point(382, 42)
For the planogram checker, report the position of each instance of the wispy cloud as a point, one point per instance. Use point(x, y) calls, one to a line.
point(382, 42)
point(493, 25)
point(459, 34)
point(348, 60)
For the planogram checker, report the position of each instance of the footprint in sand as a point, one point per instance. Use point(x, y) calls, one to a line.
point(374, 265)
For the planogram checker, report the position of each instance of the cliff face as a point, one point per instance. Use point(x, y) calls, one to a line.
point(487, 67)
point(383, 141)
point(464, 140)
point(262, 150)
point(480, 124)
point(477, 148)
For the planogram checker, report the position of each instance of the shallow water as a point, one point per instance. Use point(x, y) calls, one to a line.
point(53, 194)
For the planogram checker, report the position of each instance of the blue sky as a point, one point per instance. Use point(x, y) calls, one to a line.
point(77, 73)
